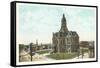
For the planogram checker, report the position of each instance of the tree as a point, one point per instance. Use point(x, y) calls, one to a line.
point(21, 47)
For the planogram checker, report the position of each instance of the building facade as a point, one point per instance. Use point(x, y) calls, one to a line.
point(65, 40)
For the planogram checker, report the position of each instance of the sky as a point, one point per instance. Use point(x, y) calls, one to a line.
point(39, 22)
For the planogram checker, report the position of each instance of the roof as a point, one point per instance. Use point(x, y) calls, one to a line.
point(63, 34)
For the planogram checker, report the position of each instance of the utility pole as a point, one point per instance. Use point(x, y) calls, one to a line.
point(78, 53)
point(31, 50)
point(82, 52)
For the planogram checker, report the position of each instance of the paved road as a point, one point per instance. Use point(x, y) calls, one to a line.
point(46, 58)
point(42, 57)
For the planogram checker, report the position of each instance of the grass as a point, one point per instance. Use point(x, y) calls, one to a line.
point(84, 50)
point(59, 56)
point(43, 52)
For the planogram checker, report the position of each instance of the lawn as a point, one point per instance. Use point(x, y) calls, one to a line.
point(84, 49)
point(43, 52)
point(59, 56)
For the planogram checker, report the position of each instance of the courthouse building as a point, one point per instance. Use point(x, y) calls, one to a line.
point(65, 40)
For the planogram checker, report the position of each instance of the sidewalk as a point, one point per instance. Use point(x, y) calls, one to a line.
point(80, 57)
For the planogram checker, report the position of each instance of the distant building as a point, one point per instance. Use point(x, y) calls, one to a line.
point(36, 47)
point(84, 44)
point(65, 40)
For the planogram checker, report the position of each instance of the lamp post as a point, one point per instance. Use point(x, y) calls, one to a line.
point(78, 53)
point(82, 52)
point(31, 50)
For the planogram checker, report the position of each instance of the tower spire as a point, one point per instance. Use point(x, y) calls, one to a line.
point(36, 42)
point(63, 24)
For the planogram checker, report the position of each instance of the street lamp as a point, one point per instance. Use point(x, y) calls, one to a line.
point(31, 50)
